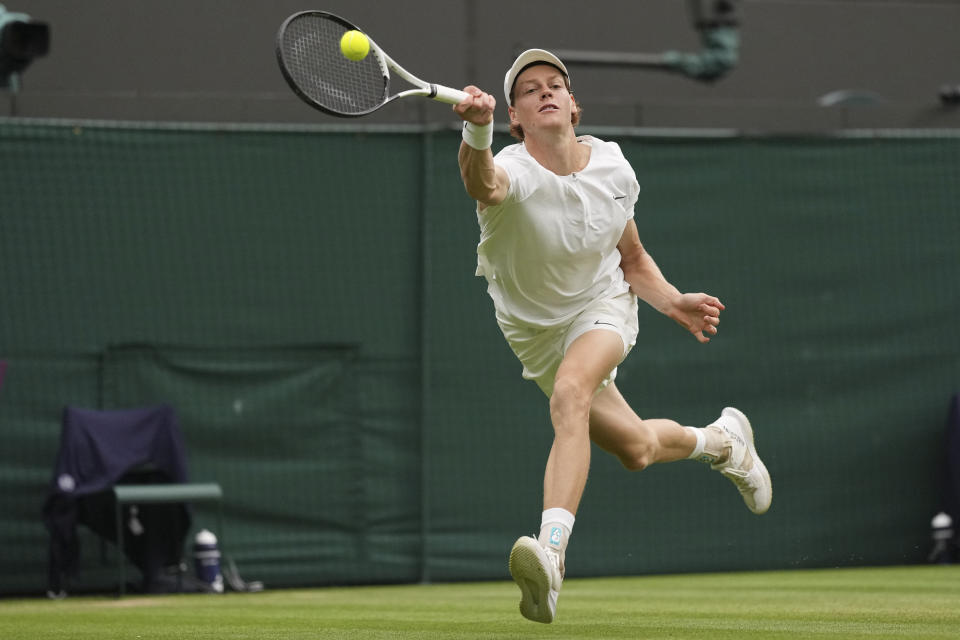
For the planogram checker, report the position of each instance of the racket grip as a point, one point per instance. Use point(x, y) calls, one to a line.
point(446, 94)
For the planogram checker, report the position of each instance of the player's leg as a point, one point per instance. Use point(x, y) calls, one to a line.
point(586, 363)
point(637, 443)
point(537, 564)
point(726, 444)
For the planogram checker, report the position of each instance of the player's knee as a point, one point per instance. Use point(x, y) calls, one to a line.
point(637, 459)
point(570, 400)
point(641, 452)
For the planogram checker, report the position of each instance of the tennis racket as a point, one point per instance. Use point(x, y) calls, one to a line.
point(308, 50)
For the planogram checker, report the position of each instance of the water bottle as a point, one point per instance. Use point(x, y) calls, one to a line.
point(206, 558)
point(943, 544)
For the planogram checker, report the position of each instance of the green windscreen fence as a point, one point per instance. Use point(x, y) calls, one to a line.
point(305, 300)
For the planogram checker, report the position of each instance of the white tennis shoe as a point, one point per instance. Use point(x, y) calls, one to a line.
point(743, 466)
point(538, 571)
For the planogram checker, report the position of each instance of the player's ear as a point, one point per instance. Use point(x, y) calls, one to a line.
point(512, 113)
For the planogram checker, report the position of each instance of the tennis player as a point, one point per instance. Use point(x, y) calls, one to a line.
point(564, 265)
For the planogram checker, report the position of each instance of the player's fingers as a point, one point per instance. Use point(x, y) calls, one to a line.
point(461, 107)
point(479, 99)
point(710, 310)
point(482, 108)
point(477, 107)
point(711, 300)
point(473, 94)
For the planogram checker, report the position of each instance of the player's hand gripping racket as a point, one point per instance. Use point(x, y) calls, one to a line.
point(308, 50)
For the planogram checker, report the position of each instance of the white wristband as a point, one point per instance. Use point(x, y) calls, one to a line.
point(479, 137)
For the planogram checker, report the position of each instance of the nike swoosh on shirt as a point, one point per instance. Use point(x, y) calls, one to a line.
point(619, 197)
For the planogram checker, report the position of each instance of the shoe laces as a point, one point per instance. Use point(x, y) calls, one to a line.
point(556, 564)
point(741, 475)
point(735, 454)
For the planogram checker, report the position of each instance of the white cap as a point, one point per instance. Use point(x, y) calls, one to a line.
point(941, 521)
point(524, 60)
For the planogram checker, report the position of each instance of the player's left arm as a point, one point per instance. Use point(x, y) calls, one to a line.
point(698, 313)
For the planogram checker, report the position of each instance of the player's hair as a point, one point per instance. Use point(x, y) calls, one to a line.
point(517, 131)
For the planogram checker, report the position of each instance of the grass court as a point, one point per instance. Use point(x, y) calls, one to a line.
point(914, 602)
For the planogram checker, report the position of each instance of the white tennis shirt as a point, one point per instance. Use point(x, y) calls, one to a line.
point(550, 248)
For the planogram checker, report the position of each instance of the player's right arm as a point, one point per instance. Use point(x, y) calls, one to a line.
point(484, 181)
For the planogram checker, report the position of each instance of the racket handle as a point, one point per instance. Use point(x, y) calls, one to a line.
point(446, 94)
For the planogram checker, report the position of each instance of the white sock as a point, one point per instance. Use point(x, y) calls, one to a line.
point(556, 525)
point(701, 441)
point(709, 448)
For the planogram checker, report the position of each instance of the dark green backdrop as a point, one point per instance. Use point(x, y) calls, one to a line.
point(306, 301)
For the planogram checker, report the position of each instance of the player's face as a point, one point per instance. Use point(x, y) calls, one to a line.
point(541, 99)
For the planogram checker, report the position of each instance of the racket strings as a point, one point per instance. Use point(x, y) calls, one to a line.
point(311, 53)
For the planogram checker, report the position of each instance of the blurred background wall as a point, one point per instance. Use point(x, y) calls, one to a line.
point(212, 60)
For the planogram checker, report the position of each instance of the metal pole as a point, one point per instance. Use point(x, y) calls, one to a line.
point(120, 561)
point(613, 59)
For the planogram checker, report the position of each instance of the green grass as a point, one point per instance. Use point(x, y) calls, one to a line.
point(848, 604)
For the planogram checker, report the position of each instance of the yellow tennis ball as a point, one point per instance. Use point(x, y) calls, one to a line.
point(354, 45)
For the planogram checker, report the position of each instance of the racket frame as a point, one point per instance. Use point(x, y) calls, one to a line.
point(422, 88)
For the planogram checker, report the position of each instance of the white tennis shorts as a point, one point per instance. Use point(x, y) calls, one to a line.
point(541, 350)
